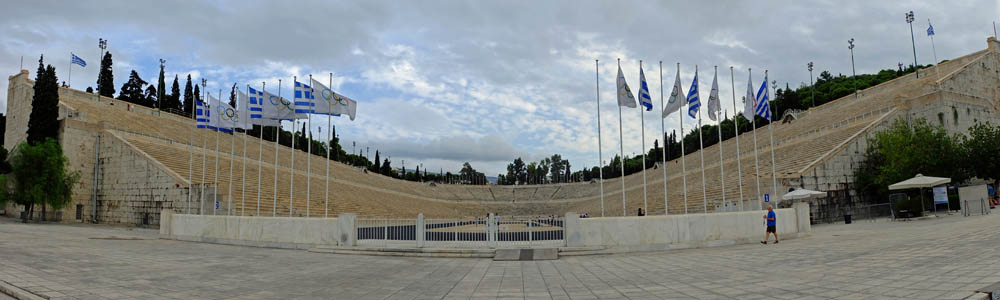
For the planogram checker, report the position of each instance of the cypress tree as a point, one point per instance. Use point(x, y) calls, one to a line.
point(188, 97)
point(105, 77)
point(232, 96)
point(161, 86)
point(175, 94)
point(375, 166)
point(42, 121)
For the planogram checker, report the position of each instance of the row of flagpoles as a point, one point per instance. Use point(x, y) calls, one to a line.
point(259, 107)
point(754, 105)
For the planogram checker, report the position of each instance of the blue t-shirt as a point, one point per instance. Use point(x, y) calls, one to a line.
point(771, 218)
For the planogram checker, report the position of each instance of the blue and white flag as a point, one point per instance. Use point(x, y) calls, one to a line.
point(675, 102)
point(930, 29)
point(304, 98)
point(714, 106)
point(763, 107)
point(77, 60)
point(329, 102)
point(694, 103)
point(203, 115)
point(644, 98)
point(222, 117)
point(273, 107)
point(252, 110)
point(625, 97)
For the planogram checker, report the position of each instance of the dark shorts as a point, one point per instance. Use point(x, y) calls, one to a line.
point(772, 229)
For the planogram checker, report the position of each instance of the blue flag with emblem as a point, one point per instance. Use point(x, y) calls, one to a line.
point(763, 108)
point(930, 29)
point(77, 60)
point(694, 103)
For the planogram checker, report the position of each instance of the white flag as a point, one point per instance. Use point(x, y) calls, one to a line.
point(625, 97)
point(329, 102)
point(222, 117)
point(252, 111)
point(676, 95)
point(713, 99)
point(749, 102)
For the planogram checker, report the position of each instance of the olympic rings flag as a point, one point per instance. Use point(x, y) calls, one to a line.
point(222, 116)
point(332, 103)
point(274, 107)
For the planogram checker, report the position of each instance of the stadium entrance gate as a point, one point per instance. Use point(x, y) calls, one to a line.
point(489, 232)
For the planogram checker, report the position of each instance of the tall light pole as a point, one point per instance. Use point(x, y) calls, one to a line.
point(909, 19)
point(774, 98)
point(159, 98)
point(854, 79)
point(103, 44)
point(811, 86)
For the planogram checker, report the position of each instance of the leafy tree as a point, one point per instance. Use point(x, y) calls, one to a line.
point(42, 121)
point(189, 98)
point(981, 148)
point(161, 86)
point(556, 168)
point(90, 90)
point(105, 77)
point(175, 94)
point(40, 177)
point(132, 90)
point(386, 168)
point(904, 150)
point(151, 96)
point(469, 175)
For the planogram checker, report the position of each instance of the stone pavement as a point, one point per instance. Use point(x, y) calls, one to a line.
point(944, 258)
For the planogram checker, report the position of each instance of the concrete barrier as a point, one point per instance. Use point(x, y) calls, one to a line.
point(651, 233)
point(273, 232)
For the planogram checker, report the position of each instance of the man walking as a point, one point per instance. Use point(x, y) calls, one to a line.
point(771, 225)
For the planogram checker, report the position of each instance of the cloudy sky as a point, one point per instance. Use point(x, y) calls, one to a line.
point(443, 82)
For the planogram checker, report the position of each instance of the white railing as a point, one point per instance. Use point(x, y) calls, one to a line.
point(489, 232)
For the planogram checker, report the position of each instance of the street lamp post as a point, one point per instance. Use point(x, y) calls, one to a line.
point(854, 71)
point(909, 19)
point(774, 98)
point(811, 86)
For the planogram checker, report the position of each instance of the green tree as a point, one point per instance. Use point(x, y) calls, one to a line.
point(105, 77)
point(556, 168)
point(151, 96)
point(189, 98)
point(40, 177)
point(175, 94)
point(904, 150)
point(982, 147)
point(132, 91)
point(375, 167)
point(161, 86)
point(42, 120)
point(232, 96)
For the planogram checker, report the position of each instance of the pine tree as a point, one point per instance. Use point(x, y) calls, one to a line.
point(42, 121)
point(161, 86)
point(132, 90)
point(188, 97)
point(105, 77)
point(375, 165)
point(197, 95)
point(175, 94)
point(151, 96)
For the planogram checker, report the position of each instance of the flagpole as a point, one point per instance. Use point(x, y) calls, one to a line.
point(232, 159)
point(621, 147)
point(277, 138)
point(680, 118)
point(736, 123)
point(309, 151)
point(191, 164)
point(207, 111)
point(243, 184)
point(722, 170)
point(291, 170)
point(260, 143)
point(642, 124)
point(600, 156)
point(770, 131)
point(753, 123)
point(329, 137)
point(936, 62)
point(701, 152)
point(663, 132)
point(215, 186)
point(70, 79)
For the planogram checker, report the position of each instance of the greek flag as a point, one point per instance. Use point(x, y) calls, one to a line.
point(694, 103)
point(304, 98)
point(644, 98)
point(203, 116)
point(332, 103)
point(930, 29)
point(251, 107)
point(77, 60)
point(273, 107)
point(763, 108)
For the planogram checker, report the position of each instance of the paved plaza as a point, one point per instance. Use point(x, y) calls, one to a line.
point(943, 258)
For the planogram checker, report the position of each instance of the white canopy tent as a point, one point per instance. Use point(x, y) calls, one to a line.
point(802, 194)
point(920, 182)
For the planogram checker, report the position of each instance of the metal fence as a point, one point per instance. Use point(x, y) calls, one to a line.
point(860, 212)
point(494, 232)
